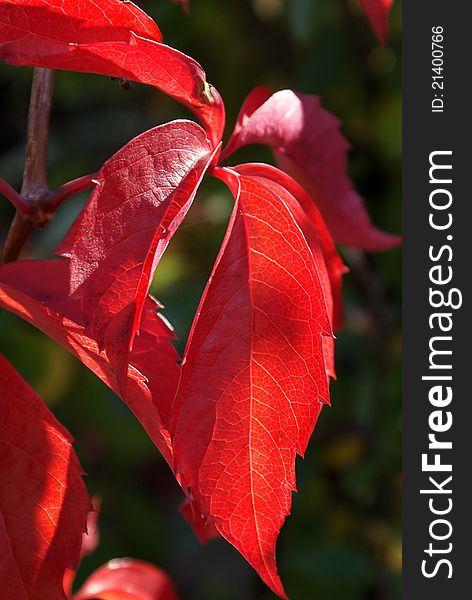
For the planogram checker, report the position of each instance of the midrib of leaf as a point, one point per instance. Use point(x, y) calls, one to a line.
point(250, 288)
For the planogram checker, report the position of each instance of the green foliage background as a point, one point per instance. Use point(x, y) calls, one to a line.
point(343, 538)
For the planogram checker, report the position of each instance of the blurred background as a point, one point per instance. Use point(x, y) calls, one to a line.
point(342, 540)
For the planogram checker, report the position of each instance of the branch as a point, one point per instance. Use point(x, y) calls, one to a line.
point(34, 188)
point(34, 175)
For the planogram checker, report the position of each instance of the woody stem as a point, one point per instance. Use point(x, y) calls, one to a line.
point(34, 187)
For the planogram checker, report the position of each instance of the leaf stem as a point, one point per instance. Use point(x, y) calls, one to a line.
point(34, 188)
point(14, 197)
point(56, 198)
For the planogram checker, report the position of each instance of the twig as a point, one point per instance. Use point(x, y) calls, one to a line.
point(34, 188)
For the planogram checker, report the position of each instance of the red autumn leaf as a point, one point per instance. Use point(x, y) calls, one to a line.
point(256, 98)
point(310, 147)
point(81, 21)
point(43, 302)
point(377, 11)
point(142, 195)
point(328, 262)
point(253, 375)
point(43, 500)
point(127, 579)
point(312, 224)
point(113, 38)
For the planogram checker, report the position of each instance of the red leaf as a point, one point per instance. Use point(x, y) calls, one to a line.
point(116, 39)
point(377, 11)
point(82, 21)
point(127, 579)
point(253, 376)
point(315, 230)
point(310, 147)
point(254, 100)
point(328, 262)
point(43, 302)
point(143, 193)
point(43, 500)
